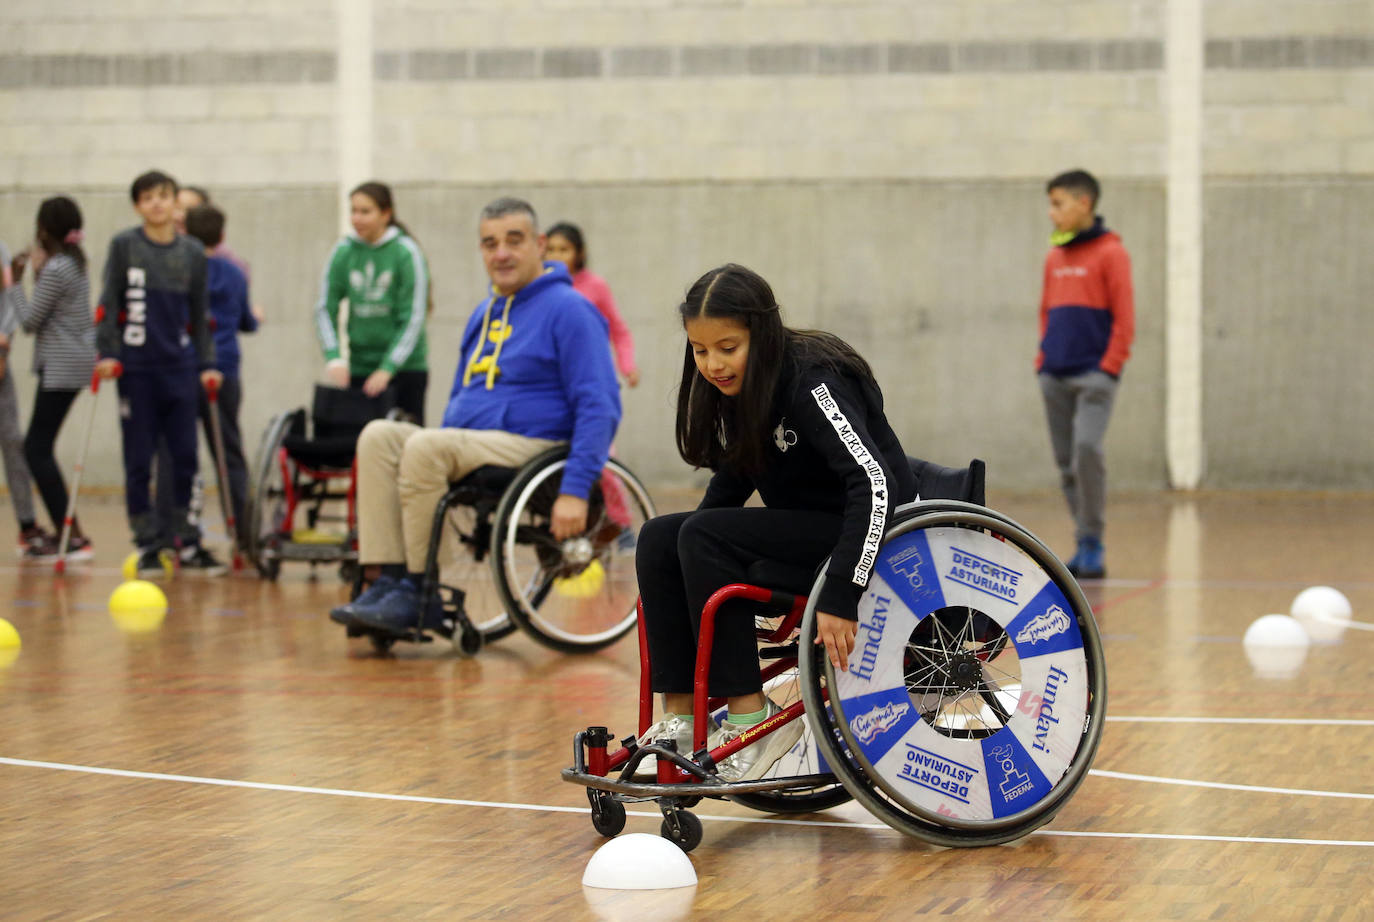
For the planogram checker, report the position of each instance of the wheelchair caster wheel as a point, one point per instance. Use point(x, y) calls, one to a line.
point(608, 814)
point(382, 644)
point(468, 642)
point(681, 828)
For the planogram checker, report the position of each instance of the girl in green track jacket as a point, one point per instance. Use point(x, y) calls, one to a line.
point(382, 272)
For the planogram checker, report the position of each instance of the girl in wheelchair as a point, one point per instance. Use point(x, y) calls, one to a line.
point(797, 417)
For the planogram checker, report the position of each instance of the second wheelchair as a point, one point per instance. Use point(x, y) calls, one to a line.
point(502, 569)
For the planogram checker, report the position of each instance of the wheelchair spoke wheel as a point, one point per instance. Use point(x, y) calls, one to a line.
point(802, 759)
point(579, 594)
point(974, 700)
point(463, 567)
point(265, 512)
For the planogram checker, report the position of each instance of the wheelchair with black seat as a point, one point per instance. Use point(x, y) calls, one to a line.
point(304, 468)
point(508, 572)
point(970, 711)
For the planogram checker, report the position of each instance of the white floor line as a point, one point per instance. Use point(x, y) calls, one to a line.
point(1261, 721)
point(547, 808)
point(1178, 837)
point(1221, 785)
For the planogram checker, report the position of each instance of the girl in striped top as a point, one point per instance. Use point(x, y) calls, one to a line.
point(59, 317)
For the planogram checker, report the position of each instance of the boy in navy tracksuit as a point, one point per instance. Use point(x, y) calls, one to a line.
point(152, 321)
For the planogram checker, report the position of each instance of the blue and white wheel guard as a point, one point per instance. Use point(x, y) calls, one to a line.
point(1012, 769)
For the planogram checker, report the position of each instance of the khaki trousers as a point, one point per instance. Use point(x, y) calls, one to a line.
point(403, 472)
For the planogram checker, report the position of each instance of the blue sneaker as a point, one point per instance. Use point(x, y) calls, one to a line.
point(397, 613)
point(343, 614)
point(1091, 559)
point(1073, 562)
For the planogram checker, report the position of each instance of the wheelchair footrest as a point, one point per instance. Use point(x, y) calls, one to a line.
point(649, 790)
point(327, 553)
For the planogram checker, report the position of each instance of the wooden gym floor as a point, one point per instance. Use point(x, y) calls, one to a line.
point(248, 762)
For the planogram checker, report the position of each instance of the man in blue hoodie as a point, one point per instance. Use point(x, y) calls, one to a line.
point(535, 371)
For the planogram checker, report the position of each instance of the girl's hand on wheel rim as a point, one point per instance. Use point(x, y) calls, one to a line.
point(838, 636)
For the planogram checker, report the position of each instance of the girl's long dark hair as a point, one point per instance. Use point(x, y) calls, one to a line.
point(573, 234)
point(715, 430)
point(58, 217)
point(380, 193)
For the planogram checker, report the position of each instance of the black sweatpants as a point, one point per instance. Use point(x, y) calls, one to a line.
point(155, 406)
point(682, 559)
point(49, 412)
point(409, 388)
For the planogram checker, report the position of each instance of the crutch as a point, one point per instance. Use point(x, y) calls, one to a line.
point(226, 503)
point(60, 566)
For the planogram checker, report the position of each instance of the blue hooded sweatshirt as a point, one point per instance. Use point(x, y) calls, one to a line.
point(538, 363)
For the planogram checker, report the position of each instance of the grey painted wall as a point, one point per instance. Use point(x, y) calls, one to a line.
point(936, 283)
point(880, 161)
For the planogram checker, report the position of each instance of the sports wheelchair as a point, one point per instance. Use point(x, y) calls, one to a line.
point(302, 464)
point(970, 712)
point(508, 572)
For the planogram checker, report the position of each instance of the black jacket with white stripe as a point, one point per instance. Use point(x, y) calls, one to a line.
point(833, 451)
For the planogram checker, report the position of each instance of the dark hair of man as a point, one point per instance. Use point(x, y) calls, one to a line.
point(58, 217)
point(713, 429)
point(1077, 182)
point(206, 224)
point(499, 208)
point(152, 179)
point(573, 234)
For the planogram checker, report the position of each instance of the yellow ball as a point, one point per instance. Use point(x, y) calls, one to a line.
point(138, 606)
point(584, 585)
point(9, 643)
point(130, 567)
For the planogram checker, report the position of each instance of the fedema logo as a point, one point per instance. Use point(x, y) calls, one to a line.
point(908, 562)
point(1014, 781)
point(1043, 627)
point(879, 720)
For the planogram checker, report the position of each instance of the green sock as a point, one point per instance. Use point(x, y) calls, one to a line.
point(747, 720)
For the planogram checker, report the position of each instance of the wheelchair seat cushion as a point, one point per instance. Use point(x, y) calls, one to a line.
point(320, 453)
point(489, 478)
point(783, 577)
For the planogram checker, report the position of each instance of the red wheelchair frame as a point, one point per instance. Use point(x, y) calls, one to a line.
point(681, 781)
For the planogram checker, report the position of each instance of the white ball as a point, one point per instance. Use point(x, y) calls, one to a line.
point(639, 861)
point(1324, 611)
point(1276, 646)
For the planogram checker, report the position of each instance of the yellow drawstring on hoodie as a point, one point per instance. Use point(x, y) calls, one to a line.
point(481, 343)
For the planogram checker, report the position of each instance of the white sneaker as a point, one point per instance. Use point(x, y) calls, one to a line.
point(754, 761)
point(678, 729)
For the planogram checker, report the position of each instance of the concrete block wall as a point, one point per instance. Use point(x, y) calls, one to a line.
point(881, 161)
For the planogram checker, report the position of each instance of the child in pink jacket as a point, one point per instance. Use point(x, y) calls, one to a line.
point(567, 246)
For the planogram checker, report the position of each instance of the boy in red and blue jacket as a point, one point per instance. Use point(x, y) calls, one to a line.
point(1087, 322)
